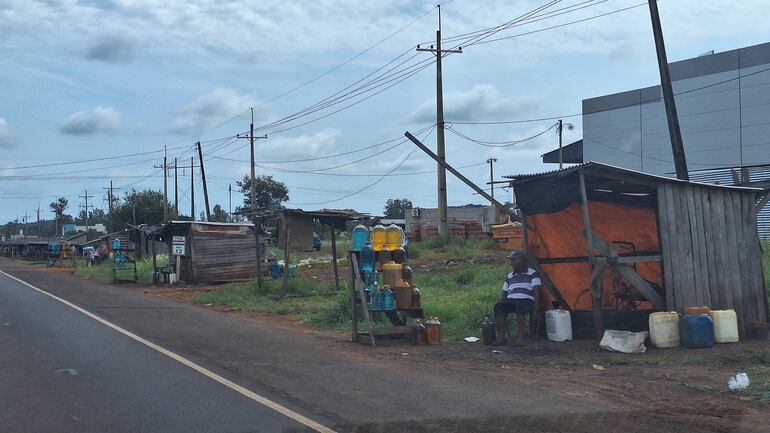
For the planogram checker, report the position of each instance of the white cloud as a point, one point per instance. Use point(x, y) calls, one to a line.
point(481, 102)
point(6, 140)
point(94, 121)
point(210, 109)
point(112, 49)
point(319, 144)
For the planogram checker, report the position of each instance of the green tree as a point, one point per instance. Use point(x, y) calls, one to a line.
point(396, 208)
point(58, 208)
point(219, 214)
point(269, 193)
point(146, 205)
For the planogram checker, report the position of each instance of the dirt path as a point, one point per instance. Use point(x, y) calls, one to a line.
point(458, 387)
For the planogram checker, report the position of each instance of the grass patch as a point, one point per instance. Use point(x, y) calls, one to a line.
point(103, 273)
point(756, 363)
point(456, 249)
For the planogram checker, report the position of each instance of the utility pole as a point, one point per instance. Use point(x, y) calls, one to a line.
point(86, 206)
point(176, 189)
point(230, 192)
point(443, 226)
point(253, 199)
point(491, 162)
point(38, 220)
point(677, 146)
point(203, 176)
point(25, 223)
point(110, 199)
point(192, 188)
point(560, 125)
point(165, 184)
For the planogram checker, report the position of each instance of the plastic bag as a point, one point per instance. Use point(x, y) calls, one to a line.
point(624, 341)
point(738, 382)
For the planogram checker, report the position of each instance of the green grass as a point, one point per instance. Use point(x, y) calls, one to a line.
point(103, 272)
point(756, 363)
point(457, 249)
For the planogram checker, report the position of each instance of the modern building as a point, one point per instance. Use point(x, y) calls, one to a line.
point(723, 103)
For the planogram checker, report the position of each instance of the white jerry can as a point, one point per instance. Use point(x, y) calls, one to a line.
point(558, 324)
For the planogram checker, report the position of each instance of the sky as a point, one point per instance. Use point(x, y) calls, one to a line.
point(92, 91)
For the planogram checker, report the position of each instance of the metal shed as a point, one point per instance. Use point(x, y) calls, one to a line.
point(215, 252)
point(673, 243)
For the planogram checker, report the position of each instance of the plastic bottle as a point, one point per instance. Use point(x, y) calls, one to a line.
point(419, 333)
point(433, 331)
point(488, 333)
point(391, 273)
point(399, 255)
point(378, 238)
point(388, 303)
point(416, 299)
point(367, 258)
point(360, 237)
point(376, 298)
point(394, 237)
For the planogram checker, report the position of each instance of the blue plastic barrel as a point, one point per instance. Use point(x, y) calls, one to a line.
point(697, 331)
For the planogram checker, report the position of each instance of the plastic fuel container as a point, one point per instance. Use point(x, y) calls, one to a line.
point(391, 273)
point(367, 258)
point(558, 324)
point(697, 331)
point(377, 238)
point(360, 237)
point(664, 329)
point(725, 326)
point(394, 237)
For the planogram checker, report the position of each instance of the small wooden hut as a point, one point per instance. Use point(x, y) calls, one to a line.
point(608, 238)
point(214, 252)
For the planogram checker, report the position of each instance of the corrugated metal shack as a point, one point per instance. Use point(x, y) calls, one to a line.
point(652, 242)
point(215, 252)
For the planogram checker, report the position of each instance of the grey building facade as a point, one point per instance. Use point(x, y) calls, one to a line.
point(723, 102)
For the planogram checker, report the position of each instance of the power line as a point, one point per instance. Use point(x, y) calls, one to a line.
point(499, 143)
point(508, 122)
point(107, 158)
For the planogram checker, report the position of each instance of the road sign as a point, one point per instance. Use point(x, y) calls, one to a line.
point(178, 245)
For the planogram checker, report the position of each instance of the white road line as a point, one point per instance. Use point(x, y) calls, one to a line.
point(182, 360)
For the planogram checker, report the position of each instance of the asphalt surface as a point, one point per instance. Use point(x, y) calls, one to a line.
point(122, 385)
point(61, 371)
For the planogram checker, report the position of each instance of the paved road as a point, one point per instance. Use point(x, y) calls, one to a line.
point(61, 371)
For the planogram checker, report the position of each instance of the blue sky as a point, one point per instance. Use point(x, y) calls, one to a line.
point(91, 79)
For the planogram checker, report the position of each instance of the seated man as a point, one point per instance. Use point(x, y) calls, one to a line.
point(518, 296)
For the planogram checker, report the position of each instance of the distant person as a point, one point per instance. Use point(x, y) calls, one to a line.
point(519, 296)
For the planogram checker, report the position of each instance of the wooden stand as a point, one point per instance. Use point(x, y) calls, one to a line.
point(360, 311)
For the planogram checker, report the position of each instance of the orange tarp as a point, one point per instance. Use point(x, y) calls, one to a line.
point(559, 234)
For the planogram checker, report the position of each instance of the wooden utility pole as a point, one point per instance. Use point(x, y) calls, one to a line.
point(253, 199)
point(165, 184)
point(677, 146)
point(230, 208)
point(176, 189)
point(491, 162)
point(559, 127)
point(203, 176)
point(110, 196)
point(192, 188)
point(86, 206)
point(443, 226)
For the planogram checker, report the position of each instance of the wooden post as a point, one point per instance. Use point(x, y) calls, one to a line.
point(154, 264)
point(285, 287)
point(334, 257)
point(178, 267)
point(596, 286)
point(353, 306)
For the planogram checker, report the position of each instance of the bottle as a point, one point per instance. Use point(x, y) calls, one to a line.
point(360, 237)
point(394, 237)
point(433, 331)
point(391, 273)
point(377, 237)
point(388, 303)
point(419, 333)
point(367, 258)
point(399, 255)
point(376, 298)
point(488, 333)
point(406, 274)
point(416, 299)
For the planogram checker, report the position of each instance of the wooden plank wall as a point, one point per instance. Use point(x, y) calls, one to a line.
point(711, 252)
point(221, 257)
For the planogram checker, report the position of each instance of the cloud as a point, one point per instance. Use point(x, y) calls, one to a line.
point(6, 139)
point(210, 109)
point(305, 145)
point(481, 102)
point(111, 49)
point(94, 121)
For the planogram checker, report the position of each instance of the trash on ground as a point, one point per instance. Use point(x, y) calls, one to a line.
point(505, 367)
point(738, 382)
point(471, 339)
point(497, 351)
point(624, 341)
point(71, 371)
point(598, 367)
point(404, 353)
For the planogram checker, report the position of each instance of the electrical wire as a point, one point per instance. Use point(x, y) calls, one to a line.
point(499, 143)
point(508, 122)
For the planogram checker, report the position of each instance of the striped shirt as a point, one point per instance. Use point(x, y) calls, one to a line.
point(521, 285)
